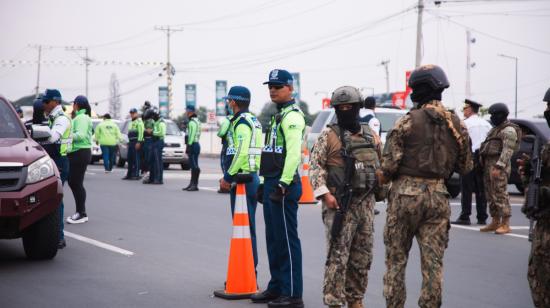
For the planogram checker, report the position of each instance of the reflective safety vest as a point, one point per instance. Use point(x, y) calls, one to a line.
point(63, 145)
point(274, 151)
point(197, 135)
point(254, 146)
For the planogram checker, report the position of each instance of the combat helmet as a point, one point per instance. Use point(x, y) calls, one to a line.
point(499, 108)
point(346, 95)
point(429, 74)
point(547, 96)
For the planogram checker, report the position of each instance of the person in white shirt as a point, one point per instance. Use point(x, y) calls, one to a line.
point(473, 181)
point(370, 118)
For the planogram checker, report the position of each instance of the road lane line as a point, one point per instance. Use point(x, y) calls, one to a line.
point(99, 244)
point(208, 188)
point(477, 229)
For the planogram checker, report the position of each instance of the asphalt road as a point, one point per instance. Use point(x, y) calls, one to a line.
point(157, 246)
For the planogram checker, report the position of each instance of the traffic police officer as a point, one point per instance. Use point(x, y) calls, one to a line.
point(422, 150)
point(350, 254)
point(224, 134)
point(538, 273)
point(59, 142)
point(193, 148)
point(496, 153)
point(135, 139)
point(148, 124)
point(282, 190)
point(246, 134)
point(159, 131)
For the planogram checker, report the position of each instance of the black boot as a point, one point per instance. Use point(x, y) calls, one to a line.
point(190, 182)
point(194, 180)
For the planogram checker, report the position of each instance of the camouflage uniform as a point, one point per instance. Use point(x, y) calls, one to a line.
point(538, 273)
point(349, 259)
point(498, 154)
point(418, 207)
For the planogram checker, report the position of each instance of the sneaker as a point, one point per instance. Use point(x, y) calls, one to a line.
point(77, 218)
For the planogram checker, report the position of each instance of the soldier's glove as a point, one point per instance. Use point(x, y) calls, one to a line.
point(278, 194)
point(260, 193)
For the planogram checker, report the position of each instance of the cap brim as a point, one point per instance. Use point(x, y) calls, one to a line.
point(276, 83)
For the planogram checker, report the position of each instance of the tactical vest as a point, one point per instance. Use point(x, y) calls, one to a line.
point(430, 150)
point(63, 145)
point(255, 146)
point(492, 146)
point(149, 123)
point(362, 148)
point(274, 151)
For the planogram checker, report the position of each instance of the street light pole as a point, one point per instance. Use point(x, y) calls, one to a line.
point(516, 60)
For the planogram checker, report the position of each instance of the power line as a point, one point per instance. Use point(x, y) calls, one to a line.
point(130, 91)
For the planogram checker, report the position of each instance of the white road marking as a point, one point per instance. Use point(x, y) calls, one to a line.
point(99, 244)
point(209, 188)
point(507, 234)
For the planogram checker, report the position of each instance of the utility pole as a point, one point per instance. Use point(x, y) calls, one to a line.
point(38, 63)
point(516, 60)
point(86, 60)
point(469, 64)
point(170, 71)
point(385, 64)
point(419, 34)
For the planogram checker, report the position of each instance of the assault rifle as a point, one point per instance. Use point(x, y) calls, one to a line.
point(344, 194)
point(533, 191)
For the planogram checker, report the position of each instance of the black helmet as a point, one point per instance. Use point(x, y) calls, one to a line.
point(430, 74)
point(547, 96)
point(499, 108)
point(148, 114)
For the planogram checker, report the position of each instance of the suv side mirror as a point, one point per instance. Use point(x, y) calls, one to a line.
point(40, 132)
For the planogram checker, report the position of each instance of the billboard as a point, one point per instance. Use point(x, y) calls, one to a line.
point(296, 85)
point(163, 102)
point(221, 91)
point(190, 95)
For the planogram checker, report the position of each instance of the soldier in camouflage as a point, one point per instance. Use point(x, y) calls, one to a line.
point(350, 254)
point(422, 150)
point(538, 273)
point(496, 152)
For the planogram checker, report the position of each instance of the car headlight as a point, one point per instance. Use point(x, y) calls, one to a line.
point(40, 170)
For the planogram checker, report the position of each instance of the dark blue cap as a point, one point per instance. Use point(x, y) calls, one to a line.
point(238, 93)
point(133, 110)
point(81, 100)
point(51, 95)
point(190, 108)
point(279, 77)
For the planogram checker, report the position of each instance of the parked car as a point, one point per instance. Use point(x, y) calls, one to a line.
point(96, 150)
point(536, 127)
point(174, 146)
point(30, 188)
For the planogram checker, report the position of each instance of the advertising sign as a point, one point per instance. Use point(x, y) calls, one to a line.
point(163, 102)
point(190, 95)
point(221, 91)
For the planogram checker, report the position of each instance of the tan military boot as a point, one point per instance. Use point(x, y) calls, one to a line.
point(355, 305)
point(504, 226)
point(493, 226)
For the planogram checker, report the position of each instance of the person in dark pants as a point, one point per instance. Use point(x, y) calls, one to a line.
point(135, 139)
point(59, 142)
point(107, 134)
point(79, 157)
point(193, 148)
point(146, 153)
point(157, 169)
point(472, 182)
point(281, 157)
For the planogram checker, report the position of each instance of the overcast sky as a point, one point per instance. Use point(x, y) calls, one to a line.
point(330, 43)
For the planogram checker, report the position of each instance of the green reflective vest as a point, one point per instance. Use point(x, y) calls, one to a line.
point(65, 142)
point(246, 137)
point(135, 131)
point(193, 130)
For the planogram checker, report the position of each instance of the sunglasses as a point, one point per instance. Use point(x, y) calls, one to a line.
point(275, 86)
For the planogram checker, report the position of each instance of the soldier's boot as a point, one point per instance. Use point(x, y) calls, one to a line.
point(357, 304)
point(493, 226)
point(504, 226)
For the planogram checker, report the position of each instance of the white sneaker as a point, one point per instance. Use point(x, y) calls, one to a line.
point(77, 218)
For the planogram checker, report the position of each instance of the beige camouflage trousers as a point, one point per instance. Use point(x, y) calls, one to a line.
point(349, 260)
point(538, 273)
point(496, 190)
point(417, 208)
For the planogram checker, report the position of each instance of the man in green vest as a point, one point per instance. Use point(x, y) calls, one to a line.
point(246, 134)
point(135, 139)
point(59, 143)
point(107, 135)
point(159, 132)
point(148, 123)
point(280, 160)
point(193, 148)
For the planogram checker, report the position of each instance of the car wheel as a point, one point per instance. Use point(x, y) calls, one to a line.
point(166, 166)
point(40, 240)
point(520, 188)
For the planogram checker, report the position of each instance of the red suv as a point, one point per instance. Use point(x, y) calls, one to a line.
point(30, 188)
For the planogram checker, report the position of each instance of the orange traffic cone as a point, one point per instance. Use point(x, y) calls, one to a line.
point(307, 191)
point(241, 276)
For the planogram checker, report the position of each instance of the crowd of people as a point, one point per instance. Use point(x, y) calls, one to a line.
point(350, 171)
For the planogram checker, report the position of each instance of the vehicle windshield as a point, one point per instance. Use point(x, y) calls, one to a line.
point(10, 126)
point(387, 120)
point(172, 129)
point(320, 121)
